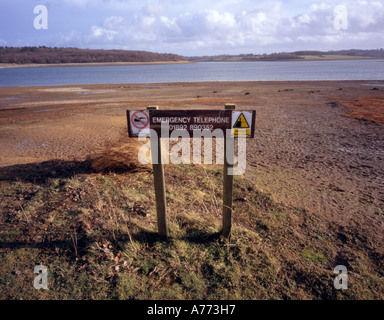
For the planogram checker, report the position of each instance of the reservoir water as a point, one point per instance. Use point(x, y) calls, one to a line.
point(194, 72)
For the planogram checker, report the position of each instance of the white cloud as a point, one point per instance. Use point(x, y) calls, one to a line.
point(153, 10)
point(113, 22)
point(367, 14)
point(235, 26)
point(304, 19)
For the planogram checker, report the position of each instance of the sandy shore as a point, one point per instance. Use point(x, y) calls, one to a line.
point(37, 65)
point(53, 117)
point(318, 146)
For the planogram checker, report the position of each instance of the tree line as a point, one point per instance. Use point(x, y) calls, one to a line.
point(297, 55)
point(373, 53)
point(47, 55)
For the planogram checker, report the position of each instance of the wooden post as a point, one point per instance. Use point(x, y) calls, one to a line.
point(158, 175)
point(228, 185)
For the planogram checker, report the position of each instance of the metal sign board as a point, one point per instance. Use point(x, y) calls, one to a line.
point(241, 123)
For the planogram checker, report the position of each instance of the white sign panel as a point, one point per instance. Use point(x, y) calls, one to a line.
point(139, 123)
point(242, 122)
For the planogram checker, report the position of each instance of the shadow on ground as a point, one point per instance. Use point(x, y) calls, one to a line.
point(42, 171)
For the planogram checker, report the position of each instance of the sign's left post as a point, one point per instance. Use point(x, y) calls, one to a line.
point(139, 125)
point(159, 180)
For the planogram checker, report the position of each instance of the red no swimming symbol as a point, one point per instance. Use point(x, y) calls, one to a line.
point(140, 120)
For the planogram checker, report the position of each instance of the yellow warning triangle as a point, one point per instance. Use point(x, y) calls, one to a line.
point(241, 122)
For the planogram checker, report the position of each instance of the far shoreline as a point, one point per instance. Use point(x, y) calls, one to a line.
point(87, 64)
point(102, 64)
point(345, 58)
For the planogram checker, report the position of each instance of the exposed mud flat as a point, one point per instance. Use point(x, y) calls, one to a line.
point(318, 146)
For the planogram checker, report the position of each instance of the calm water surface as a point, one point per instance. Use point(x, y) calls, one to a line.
point(203, 71)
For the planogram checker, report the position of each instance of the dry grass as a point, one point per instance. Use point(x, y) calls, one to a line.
point(364, 108)
point(119, 158)
point(368, 108)
point(96, 234)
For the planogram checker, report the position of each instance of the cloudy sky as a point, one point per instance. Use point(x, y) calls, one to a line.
point(196, 27)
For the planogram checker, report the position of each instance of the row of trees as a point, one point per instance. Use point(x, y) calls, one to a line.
point(297, 55)
point(374, 53)
point(249, 57)
point(45, 55)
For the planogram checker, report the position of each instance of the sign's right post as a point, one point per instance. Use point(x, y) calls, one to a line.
point(227, 184)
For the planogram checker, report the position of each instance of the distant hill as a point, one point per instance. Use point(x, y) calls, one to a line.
point(297, 55)
point(46, 55)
